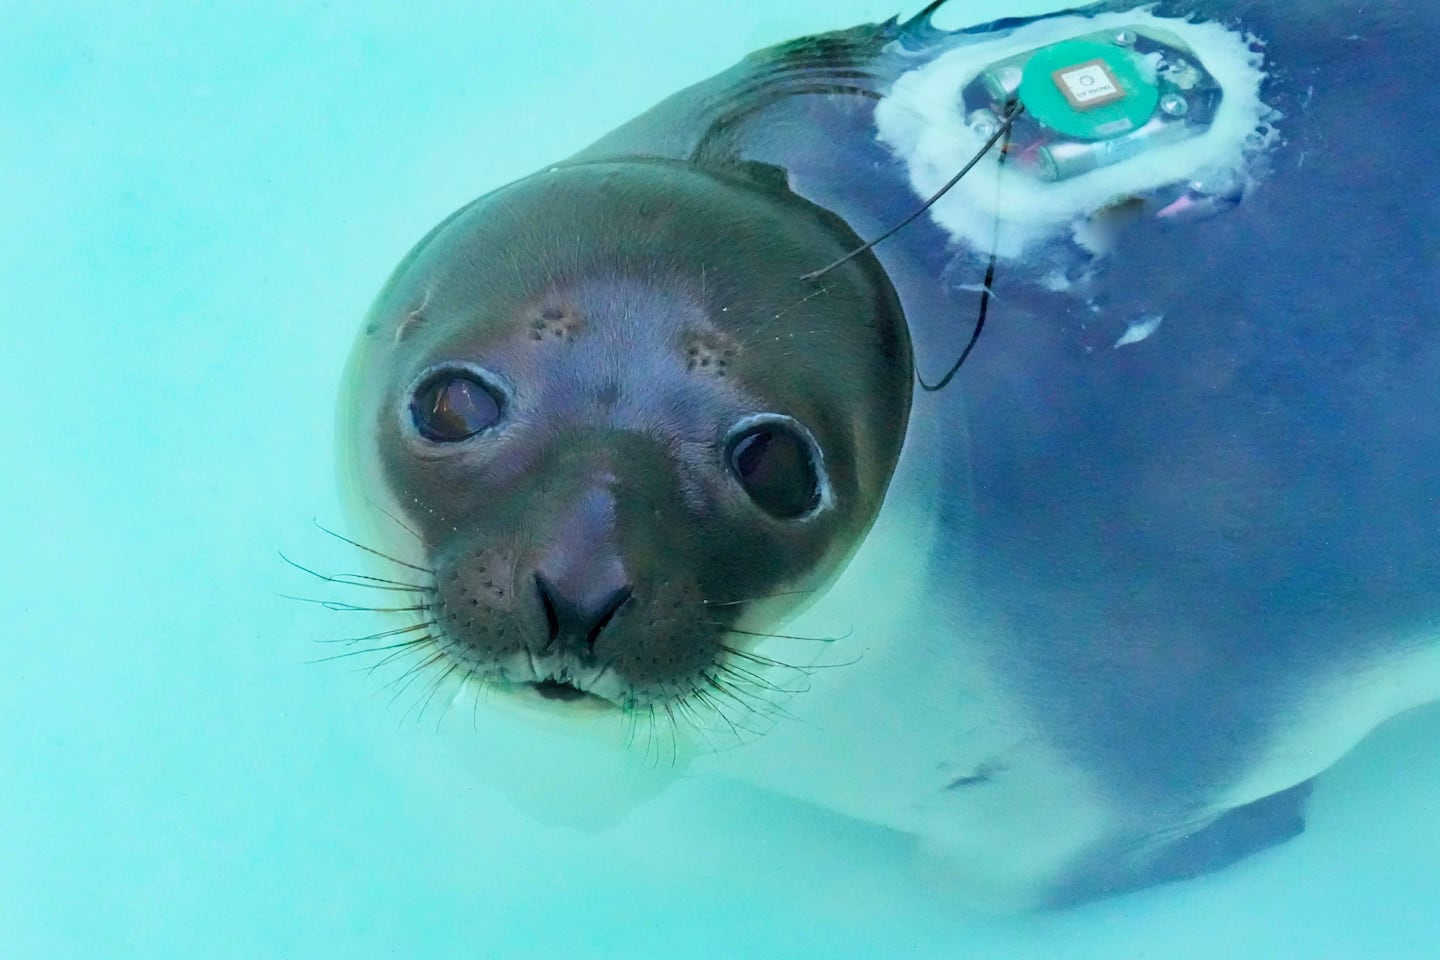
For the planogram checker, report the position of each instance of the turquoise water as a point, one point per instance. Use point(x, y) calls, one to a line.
point(198, 205)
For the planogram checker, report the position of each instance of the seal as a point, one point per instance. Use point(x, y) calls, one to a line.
point(1098, 611)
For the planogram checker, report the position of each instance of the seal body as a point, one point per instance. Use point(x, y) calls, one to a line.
point(1163, 551)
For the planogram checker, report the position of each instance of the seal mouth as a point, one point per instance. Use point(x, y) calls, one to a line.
point(566, 691)
point(560, 690)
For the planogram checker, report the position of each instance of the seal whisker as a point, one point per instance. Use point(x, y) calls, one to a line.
point(344, 607)
point(630, 724)
point(356, 653)
point(734, 725)
point(763, 596)
point(753, 703)
point(482, 686)
point(371, 550)
point(761, 659)
point(746, 684)
point(398, 654)
point(747, 676)
point(653, 737)
point(650, 730)
point(650, 740)
point(808, 669)
point(397, 521)
point(411, 675)
point(674, 739)
point(360, 579)
point(756, 697)
point(720, 688)
point(433, 689)
point(699, 695)
point(382, 634)
point(740, 731)
point(689, 705)
point(775, 636)
point(753, 679)
point(421, 669)
point(645, 755)
point(471, 677)
point(686, 710)
point(376, 583)
point(391, 658)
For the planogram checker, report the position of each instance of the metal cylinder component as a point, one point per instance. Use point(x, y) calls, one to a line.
point(1070, 158)
point(1002, 82)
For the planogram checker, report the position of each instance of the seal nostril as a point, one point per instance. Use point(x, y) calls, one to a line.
point(547, 603)
point(613, 605)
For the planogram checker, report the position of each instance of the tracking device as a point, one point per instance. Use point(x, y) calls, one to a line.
point(1094, 100)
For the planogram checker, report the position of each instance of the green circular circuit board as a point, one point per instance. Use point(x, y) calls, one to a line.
point(1087, 90)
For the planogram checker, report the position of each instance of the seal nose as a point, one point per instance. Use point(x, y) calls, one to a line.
point(580, 579)
point(567, 617)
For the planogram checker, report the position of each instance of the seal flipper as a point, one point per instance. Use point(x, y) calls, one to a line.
point(1235, 835)
point(1227, 839)
point(1230, 838)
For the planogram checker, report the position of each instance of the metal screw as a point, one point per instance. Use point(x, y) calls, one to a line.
point(983, 123)
point(1124, 38)
point(1174, 105)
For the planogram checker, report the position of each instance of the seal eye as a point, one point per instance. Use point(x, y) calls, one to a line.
point(453, 406)
point(777, 465)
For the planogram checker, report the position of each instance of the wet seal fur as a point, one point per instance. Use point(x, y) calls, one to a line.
point(1106, 614)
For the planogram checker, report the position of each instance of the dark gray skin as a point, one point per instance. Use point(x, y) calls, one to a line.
point(1186, 546)
point(593, 539)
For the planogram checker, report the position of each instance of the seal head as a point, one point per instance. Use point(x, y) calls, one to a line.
point(625, 432)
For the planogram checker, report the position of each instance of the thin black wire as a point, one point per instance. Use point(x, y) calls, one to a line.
point(989, 269)
point(1002, 131)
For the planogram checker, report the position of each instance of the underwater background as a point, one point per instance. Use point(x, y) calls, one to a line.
point(197, 203)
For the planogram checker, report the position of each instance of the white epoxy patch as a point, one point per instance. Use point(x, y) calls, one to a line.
point(920, 122)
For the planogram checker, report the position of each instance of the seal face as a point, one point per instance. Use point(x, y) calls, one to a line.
point(625, 431)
